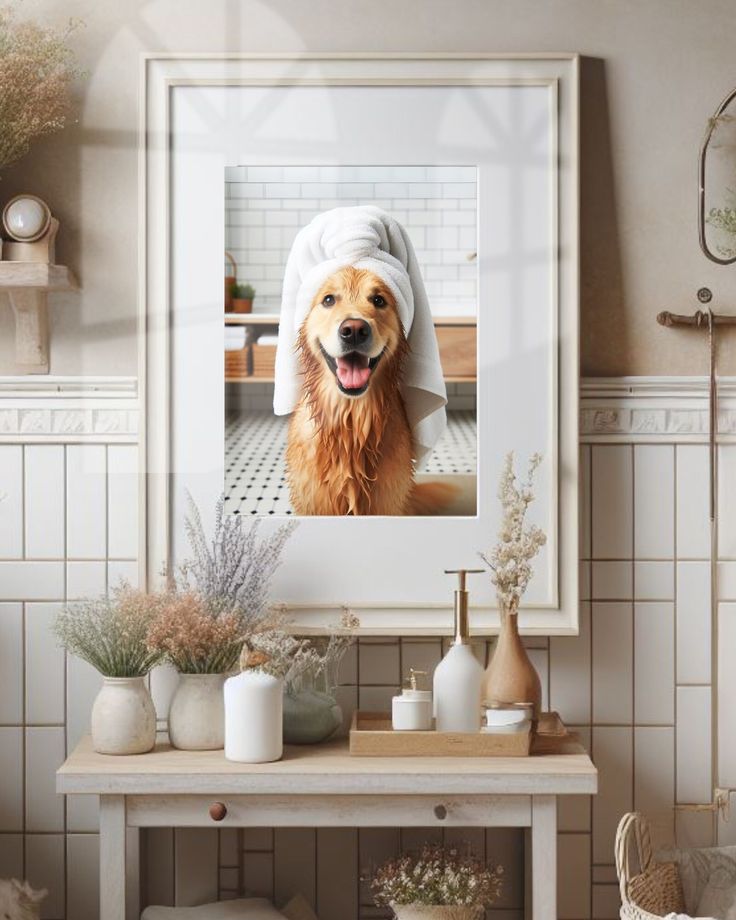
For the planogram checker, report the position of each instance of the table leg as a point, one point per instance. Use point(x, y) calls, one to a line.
point(112, 857)
point(544, 857)
point(133, 872)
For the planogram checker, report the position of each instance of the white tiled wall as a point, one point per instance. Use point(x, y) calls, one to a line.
point(635, 683)
point(267, 205)
point(68, 527)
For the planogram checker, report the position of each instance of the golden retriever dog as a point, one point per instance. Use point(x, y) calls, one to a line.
point(349, 447)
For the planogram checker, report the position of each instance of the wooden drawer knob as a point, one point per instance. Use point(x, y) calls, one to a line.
point(218, 810)
point(440, 812)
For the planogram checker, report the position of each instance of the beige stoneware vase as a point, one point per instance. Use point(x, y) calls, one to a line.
point(435, 912)
point(510, 676)
point(123, 717)
point(197, 713)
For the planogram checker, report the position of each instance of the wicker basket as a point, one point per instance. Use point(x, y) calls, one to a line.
point(656, 890)
point(237, 364)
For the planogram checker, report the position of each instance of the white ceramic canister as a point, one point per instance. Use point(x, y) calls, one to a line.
point(254, 717)
point(123, 717)
point(197, 713)
point(411, 711)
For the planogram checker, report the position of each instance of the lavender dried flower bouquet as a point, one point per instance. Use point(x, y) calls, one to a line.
point(219, 597)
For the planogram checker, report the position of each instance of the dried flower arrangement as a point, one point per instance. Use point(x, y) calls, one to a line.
point(304, 662)
point(219, 598)
point(36, 72)
point(111, 633)
point(510, 559)
point(437, 876)
point(194, 635)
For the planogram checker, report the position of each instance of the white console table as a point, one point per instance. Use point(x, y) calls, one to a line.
point(321, 786)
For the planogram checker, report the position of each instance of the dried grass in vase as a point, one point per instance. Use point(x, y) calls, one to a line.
point(111, 633)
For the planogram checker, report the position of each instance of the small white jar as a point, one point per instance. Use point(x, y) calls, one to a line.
point(412, 711)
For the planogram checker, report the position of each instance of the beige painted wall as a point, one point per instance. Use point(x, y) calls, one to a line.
point(653, 72)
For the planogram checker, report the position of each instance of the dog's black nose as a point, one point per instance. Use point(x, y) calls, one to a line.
point(355, 332)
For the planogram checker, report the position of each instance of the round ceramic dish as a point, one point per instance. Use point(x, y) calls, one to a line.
point(506, 721)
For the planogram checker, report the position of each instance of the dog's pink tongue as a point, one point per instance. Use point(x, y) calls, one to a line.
point(350, 375)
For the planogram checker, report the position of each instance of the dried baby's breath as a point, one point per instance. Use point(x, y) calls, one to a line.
point(36, 72)
point(437, 876)
point(195, 635)
point(510, 559)
point(306, 663)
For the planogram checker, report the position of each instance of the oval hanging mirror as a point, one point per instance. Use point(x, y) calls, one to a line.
point(717, 185)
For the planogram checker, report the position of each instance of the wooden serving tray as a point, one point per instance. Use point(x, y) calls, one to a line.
point(371, 735)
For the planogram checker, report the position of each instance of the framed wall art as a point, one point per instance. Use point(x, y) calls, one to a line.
point(399, 240)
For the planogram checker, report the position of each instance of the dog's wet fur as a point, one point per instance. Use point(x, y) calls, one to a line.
point(349, 447)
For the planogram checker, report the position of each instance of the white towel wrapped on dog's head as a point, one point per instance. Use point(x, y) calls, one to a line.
point(366, 238)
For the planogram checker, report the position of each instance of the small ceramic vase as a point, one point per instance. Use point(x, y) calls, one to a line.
point(123, 717)
point(510, 676)
point(436, 912)
point(197, 713)
point(310, 717)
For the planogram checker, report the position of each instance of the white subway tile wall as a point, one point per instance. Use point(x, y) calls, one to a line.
point(634, 683)
point(68, 520)
point(267, 206)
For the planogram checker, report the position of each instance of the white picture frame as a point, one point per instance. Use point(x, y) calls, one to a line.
point(184, 99)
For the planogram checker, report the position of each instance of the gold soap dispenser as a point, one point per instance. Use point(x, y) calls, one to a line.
point(457, 678)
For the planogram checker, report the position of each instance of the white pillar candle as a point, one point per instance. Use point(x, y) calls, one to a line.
point(253, 718)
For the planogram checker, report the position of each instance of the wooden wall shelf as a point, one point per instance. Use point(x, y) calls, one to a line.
point(28, 285)
point(456, 336)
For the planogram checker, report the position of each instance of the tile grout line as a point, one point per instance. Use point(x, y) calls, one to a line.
point(675, 550)
point(590, 655)
point(66, 692)
point(633, 626)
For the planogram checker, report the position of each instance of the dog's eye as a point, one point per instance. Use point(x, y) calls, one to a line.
point(328, 300)
point(378, 301)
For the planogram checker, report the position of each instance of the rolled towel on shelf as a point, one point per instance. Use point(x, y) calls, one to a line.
point(234, 338)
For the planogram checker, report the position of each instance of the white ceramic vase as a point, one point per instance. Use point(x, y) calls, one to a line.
point(197, 713)
point(435, 912)
point(123, 717)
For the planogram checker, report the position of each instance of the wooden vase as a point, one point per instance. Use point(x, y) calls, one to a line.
point(510, 676)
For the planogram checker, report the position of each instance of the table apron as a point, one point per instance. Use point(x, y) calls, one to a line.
point(330, 811)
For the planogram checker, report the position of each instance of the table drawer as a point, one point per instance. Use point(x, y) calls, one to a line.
point(328, 811)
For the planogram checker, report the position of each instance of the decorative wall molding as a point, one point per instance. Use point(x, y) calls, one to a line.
point(632, 409)
point(69, 409)
point(654, 409)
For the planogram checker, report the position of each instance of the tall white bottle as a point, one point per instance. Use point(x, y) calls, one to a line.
point(457, 678)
